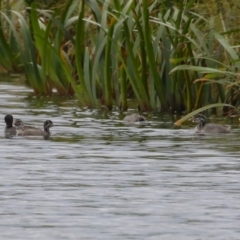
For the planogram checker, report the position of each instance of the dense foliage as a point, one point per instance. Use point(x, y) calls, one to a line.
point(174, 56)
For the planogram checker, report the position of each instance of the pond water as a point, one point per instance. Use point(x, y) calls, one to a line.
point(97, 178)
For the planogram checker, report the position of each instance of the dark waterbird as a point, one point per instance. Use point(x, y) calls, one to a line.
point(10, 130)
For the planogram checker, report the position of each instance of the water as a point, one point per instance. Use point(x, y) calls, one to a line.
point(97, 178)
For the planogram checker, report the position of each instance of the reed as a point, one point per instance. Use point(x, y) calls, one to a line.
point(165, 56)
point(10, 58)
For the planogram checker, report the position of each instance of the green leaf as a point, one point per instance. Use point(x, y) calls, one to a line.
point(183, 119)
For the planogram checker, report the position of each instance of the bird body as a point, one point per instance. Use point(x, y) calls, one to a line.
point(20, 130)
point(10, 130)
point(134, 118)
point(18, 123)
point(204, 127)
point(33, 131)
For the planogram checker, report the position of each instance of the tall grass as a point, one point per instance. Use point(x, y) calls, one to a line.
point(167, 57)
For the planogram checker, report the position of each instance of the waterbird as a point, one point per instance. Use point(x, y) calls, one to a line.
point(134, 118)
point(204, 127)
point(20, 130)
point(10, 130)
point(33, 131)
point(18, 123)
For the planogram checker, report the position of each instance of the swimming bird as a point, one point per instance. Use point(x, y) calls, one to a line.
point(10, 130)
point(20, 130)
point(33, 131)
point(204, 127)
point(134, 118)
point(19, 124)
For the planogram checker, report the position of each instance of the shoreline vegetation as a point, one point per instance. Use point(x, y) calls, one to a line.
point(176, 56)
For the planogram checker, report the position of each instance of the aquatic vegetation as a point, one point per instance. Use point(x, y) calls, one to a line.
point(167, 56)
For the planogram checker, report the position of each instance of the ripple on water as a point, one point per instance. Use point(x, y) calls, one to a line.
point(97, 178)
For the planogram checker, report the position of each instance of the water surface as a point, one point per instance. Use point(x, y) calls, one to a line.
point(97, 178)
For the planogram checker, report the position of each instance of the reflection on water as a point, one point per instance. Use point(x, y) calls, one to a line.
point(100, 179)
